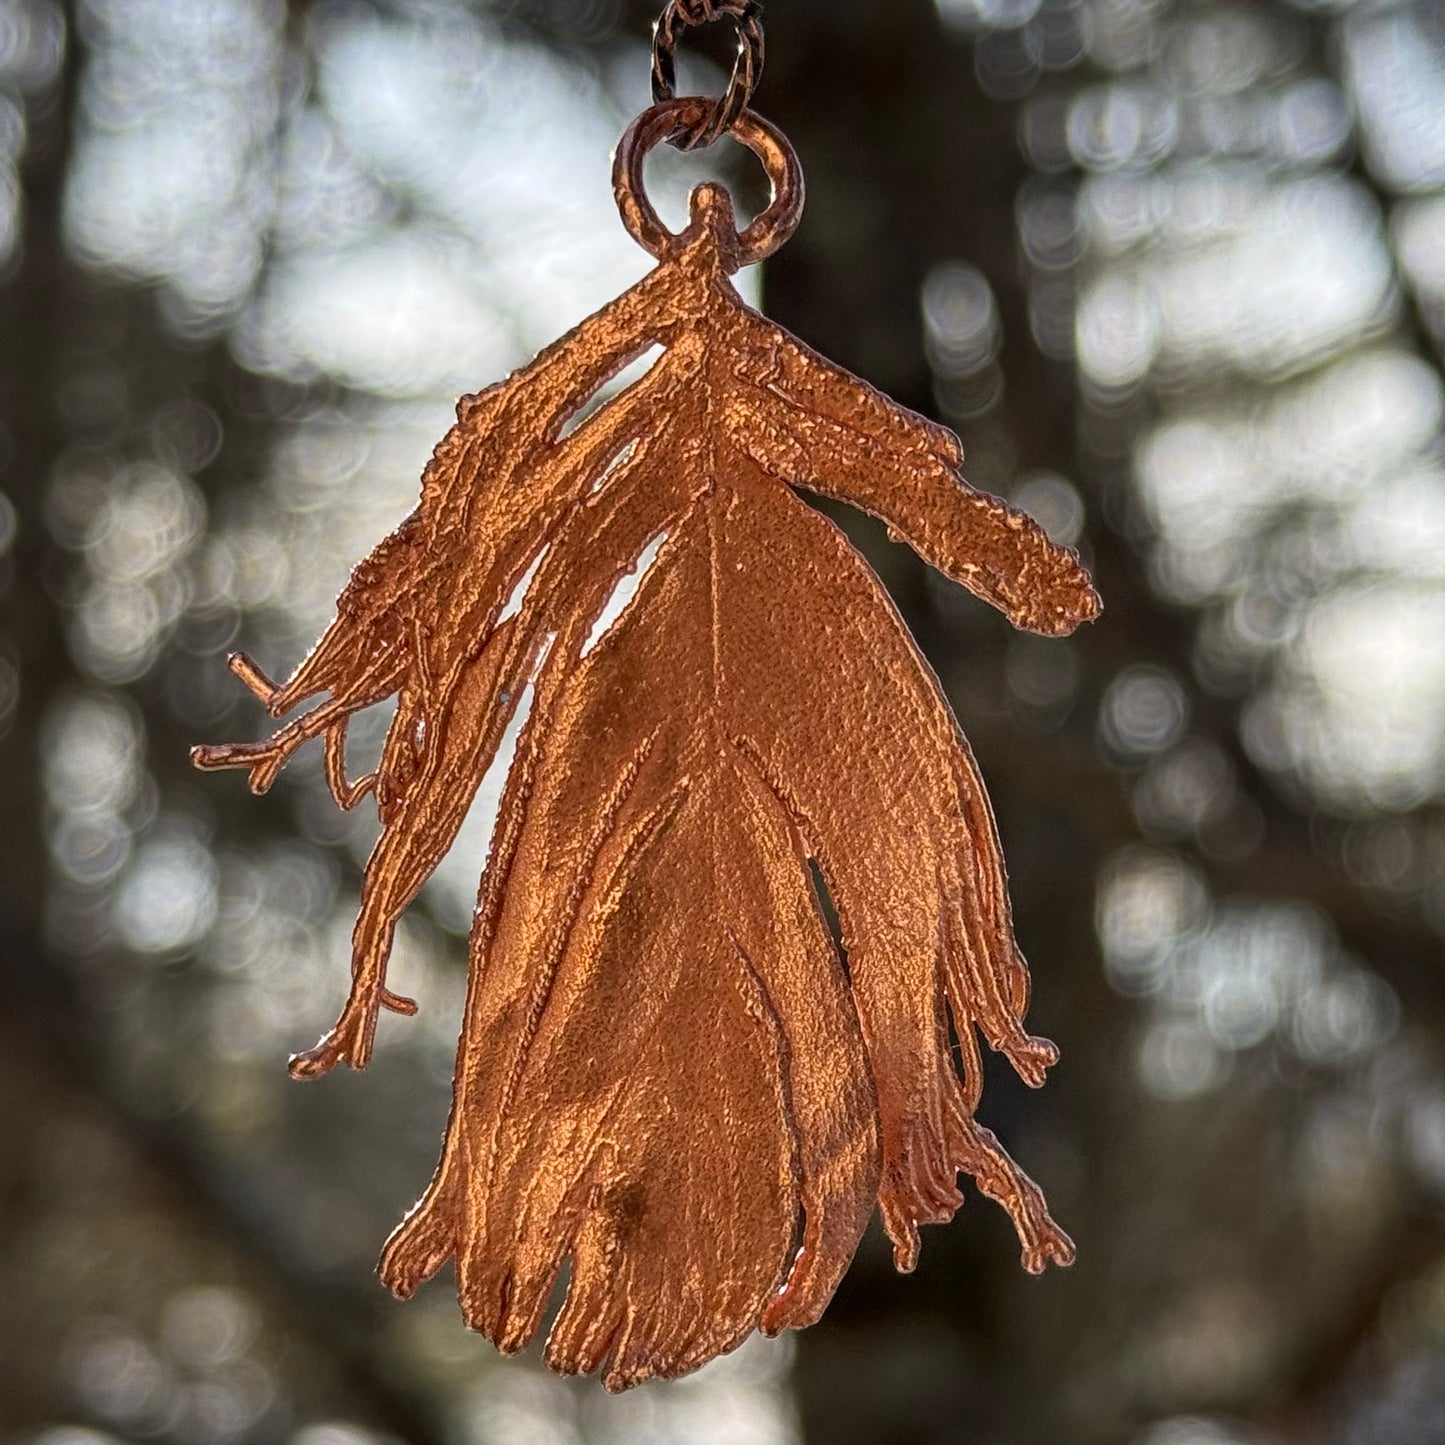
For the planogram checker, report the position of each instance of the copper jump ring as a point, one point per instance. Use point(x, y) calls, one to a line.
point(767, 231)
point(747, 67)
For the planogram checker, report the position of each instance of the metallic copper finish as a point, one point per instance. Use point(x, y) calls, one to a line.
point(664, 1067)
point(765, 234)
point(720, 115)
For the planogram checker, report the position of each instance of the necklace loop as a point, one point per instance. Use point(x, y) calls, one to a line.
point(722, 114)
point(768, 230)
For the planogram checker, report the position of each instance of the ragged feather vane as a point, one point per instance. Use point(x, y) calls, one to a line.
point(664, 1065)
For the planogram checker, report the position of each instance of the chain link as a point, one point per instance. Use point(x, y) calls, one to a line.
point(679, 15)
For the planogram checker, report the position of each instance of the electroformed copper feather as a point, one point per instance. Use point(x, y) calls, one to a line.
point(666, 1074)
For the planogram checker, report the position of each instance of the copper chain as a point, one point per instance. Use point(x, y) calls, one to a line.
point(747, 67)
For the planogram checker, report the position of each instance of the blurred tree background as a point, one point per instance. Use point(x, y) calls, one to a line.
point(1175, 271)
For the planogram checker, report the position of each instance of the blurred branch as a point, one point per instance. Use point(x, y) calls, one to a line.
point(45, 1023)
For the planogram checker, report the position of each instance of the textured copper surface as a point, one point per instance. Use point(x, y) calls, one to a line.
point(665, 1073)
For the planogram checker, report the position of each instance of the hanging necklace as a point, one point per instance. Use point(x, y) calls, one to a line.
point(667, 1075)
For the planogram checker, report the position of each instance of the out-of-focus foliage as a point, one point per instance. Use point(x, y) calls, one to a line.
point(1175, 269)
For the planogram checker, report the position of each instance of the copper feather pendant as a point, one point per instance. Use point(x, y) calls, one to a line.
point(665, 1070)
